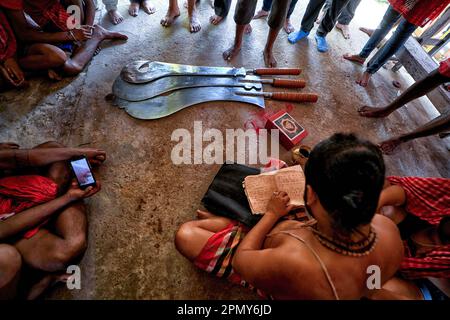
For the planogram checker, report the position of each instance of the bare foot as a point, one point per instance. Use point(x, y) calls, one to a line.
point(53, 75)
point(367, 31)
point(114, 16)
point(194, 23)
point(231, 52)
point(354, 58)
point(260, 14)
point(104, 34)
point(45, 283)
point(344, 30)
point(248, 29)
point(170, 17)
point(269, 60)
point(215, 19)
point(389, 146)
point(288, 27)
point(133, 10)
point(148, 7)
point(364, 79)
point(370, 112)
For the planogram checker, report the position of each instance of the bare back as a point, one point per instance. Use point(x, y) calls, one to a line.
point(303, 277)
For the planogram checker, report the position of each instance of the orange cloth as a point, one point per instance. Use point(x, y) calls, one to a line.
point(18, 193)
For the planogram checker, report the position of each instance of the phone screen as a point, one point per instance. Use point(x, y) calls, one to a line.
point(82, 172)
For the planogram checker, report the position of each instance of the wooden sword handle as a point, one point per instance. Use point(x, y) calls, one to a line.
point(277, 71)
point(285, 83)
point(294, 97)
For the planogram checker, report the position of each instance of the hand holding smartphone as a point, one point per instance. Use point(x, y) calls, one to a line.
point(83, 172)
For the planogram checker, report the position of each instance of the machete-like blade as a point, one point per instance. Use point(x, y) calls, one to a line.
point(139, 92)
point(163, 106)
point(142, 71)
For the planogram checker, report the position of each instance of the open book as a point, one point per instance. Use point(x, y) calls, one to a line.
point(259, 188)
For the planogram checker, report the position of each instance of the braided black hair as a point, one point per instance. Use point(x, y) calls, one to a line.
point(347, 174)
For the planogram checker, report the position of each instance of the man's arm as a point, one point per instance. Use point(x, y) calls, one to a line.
point(32, 217)
point(261, 266)
point(40, 157)
point(27, 33)
point(90, 13)
point(393, 195)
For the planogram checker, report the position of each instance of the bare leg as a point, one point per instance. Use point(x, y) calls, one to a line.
point(192, 236)
point(52, 252)
point(435, 126)
point(58, 171)
point(194, 22)
point(148, 7)
point(418, 89)
point(236, 48)
point(172, 13)
point(84, 54)
point(10, 266)
point(268, 55)
point(9, 145)
point(42, 56)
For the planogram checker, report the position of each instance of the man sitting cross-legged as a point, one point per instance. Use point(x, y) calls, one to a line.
point(325, 258)
point(43, 221)
point(41, 28)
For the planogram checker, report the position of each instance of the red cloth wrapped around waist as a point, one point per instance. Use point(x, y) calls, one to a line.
point(18, 193)
point(8, 44)
point(44, 12)
point(429, 200)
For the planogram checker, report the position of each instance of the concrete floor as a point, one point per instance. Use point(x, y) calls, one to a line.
point(145, 197)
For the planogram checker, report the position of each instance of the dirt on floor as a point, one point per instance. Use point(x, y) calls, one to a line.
point(145, 197)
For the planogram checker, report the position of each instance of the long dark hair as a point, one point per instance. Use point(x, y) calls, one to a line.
point(347, 174)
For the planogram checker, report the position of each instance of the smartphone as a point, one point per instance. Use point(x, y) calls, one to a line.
point(82, 171)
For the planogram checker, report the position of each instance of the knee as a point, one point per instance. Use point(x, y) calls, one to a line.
point(56, 57)
point(72, 249)
point(184, 236)
point(10, 264)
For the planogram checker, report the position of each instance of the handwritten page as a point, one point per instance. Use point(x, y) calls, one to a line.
point(293, 183)
point(259, 189)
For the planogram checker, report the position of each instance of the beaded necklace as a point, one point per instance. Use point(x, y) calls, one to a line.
point(354, 249)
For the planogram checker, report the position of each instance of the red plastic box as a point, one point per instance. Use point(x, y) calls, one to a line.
point(291, 132)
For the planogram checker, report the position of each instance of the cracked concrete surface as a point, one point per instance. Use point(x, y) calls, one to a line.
point(145, 197)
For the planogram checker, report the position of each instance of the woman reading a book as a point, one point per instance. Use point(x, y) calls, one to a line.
point(329, 257)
